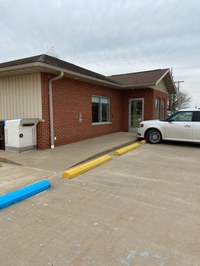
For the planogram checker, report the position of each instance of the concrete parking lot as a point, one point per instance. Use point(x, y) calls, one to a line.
point(141, 208)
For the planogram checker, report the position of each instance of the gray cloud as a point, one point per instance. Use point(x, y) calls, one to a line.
point(115, 36)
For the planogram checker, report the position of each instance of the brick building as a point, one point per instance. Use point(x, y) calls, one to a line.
point(73, 103)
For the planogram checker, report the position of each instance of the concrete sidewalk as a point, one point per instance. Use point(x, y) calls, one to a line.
point(20, 169)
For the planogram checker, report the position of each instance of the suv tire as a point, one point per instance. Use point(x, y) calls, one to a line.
point(153, 136)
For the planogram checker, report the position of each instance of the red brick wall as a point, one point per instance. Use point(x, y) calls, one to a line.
point(147, 94)
point(71, 97)
point(161, 95)
point(43, 128)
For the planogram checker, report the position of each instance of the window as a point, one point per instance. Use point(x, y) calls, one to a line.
point(100, 109)
point(157, 108)
point(196, 117)
point(183, 116)
point(162, 109)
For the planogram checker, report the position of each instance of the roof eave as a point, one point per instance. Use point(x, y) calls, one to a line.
point(166, 72)
point(171, 88)
point(53, 69)
point(44, 67)
point(138, 86)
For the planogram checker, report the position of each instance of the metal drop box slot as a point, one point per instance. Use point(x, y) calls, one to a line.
point(21, 134)
point(2, 138)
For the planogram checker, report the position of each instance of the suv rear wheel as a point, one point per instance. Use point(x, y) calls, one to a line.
point(153, 136)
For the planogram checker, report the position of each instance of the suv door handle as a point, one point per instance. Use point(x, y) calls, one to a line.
point(186, 125)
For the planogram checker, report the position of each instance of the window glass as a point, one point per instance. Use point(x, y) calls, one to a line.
point(100, 109)
point(196, 116)
point(183, 116)
point(163, 109)
point(95, 112)
point(95, 99)
point(157, 108)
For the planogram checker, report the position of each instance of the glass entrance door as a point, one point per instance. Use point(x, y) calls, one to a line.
point(136, 113)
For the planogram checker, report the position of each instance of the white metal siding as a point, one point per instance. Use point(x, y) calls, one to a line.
point(20, 97)
point(161, 86)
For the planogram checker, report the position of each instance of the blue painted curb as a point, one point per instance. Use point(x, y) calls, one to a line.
point(23, 193)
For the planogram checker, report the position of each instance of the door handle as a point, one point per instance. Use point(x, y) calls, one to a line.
point(186, 125)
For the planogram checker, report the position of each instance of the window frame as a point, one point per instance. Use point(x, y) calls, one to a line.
point(163, 108)
point(100, 109)
point(157, 108)
point(181, 113)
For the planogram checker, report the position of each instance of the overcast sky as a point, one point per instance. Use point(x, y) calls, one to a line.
point(108, 36)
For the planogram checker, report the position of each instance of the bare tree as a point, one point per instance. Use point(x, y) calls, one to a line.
point(180, 100)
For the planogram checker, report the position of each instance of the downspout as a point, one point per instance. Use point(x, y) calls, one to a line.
point(51, 107)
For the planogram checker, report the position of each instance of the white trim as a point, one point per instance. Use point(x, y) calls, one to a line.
point(100, 97)
point(101, 123)
point(167, 71)
point(129, 112)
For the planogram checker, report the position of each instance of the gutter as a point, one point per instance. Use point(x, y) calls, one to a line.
point(51, 107)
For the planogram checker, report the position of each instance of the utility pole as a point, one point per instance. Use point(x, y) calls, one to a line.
point(177, 92)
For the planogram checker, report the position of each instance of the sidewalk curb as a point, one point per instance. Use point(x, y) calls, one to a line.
point(103, 153)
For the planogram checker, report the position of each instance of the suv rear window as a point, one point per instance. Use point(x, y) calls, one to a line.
point(196, 116)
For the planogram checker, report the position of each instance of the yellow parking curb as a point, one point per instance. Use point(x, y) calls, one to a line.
point(126, 149)
point(144, 141)
point(86, 167)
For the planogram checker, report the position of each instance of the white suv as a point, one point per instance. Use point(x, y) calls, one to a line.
point(183, 125)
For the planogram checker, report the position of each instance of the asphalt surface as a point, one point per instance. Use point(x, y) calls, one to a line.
point(141, 208)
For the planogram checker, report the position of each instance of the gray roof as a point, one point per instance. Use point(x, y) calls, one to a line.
point(121, 81)
point(146, 79)
point(53, 61)
point(140, 78)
